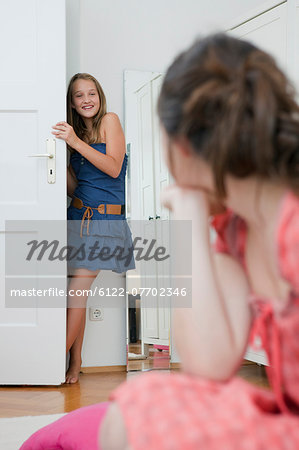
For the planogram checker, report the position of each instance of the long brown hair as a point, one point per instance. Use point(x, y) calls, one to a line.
point(236, 108)
point(76, 121)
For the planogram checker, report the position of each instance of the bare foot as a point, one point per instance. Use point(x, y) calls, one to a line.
point(72, 375)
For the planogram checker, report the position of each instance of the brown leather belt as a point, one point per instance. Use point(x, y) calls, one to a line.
point(102, 209)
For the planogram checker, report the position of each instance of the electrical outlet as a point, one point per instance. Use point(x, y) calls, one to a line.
point(96, 313)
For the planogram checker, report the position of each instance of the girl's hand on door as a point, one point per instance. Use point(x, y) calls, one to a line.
point(67, 133)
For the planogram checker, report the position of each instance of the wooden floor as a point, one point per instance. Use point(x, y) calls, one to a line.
point(92, 388)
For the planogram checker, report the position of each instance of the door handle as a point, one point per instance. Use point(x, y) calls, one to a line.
point(51, 155)
point(39, 155)
point(158, 217)
point(150, 218)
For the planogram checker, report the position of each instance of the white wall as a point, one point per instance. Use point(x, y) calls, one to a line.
point(144, 35)
point(104, 38)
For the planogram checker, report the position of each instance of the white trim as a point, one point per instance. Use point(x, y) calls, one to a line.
point(156, 341)
point(251, 14)
point(155, 76)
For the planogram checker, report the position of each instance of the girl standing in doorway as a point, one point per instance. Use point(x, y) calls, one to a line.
point(96, 215)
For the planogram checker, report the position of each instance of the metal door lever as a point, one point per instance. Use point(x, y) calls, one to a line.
point(38, 155)
point(51, 155)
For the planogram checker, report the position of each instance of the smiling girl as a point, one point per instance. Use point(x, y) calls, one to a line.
point(96, 184)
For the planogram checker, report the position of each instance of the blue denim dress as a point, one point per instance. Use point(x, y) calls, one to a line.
point(102, 241)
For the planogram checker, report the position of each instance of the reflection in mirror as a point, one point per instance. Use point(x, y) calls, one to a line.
point(148, 316)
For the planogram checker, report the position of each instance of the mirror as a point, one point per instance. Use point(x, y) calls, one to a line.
point(148, 313)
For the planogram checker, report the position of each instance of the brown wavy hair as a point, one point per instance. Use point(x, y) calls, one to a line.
point(237, 109)
point(76, 121)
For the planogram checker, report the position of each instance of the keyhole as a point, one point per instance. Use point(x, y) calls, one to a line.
point(51, 171)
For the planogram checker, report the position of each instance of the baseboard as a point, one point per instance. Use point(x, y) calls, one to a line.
point(248, 362)
point(172, 365)
point(177, 365)
point(104, 369)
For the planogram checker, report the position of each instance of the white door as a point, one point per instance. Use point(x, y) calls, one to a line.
point(149, 303)
point(32, 84)
point(161, 176)
point(145, 141)
point(160, 169)
point(155, 305)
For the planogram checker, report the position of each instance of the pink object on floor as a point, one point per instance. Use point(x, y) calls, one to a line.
point(161, 347)
point(77, 430)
